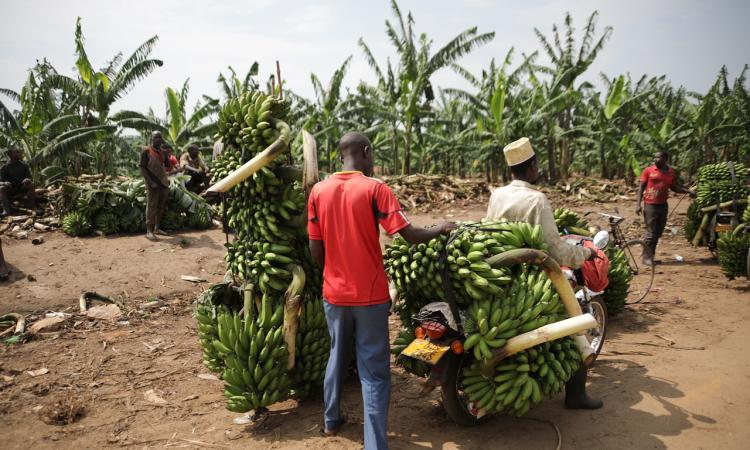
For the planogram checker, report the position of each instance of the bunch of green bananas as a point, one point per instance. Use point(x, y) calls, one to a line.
point(523, 380)
point(200, 219)
point(313, 344)
point(619, 276)
point(417, 271)
point(106, 222)
point(76, 223)
point(172, 219)
point(746, 214)
point(277, 347)
point(212, 302)
point(255, 358)
point(569, 221)
point(528, 303)
point(733, 248)
point(715, 183)
point(251, 121)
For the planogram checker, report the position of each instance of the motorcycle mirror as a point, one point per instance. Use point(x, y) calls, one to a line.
point(601, 239)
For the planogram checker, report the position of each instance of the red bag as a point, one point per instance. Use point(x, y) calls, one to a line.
point(595, 272)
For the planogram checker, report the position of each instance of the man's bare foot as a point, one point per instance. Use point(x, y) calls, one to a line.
point(161, 232)
point(150, 236)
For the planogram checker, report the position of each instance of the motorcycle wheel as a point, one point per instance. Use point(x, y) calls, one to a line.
point(455, 403)
point(597, 308)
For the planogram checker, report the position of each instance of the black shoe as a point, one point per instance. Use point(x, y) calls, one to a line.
point(575, 392)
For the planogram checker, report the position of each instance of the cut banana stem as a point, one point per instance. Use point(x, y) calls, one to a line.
point(541, 335)
point(741, 201)
point(699, 233)
point(247, 170)
point(20, 321)
point(86, 297)
point(310, 174)
point(291, 324)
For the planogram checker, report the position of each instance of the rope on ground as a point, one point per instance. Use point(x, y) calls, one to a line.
point(549, 422)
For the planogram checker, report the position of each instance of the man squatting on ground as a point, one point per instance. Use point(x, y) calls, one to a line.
point(344, 212)
point(15, 180)
point(521, 201)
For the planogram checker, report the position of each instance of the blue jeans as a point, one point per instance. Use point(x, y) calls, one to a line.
point(367, 328)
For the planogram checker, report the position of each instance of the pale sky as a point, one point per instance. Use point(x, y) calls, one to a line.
point(687, 40)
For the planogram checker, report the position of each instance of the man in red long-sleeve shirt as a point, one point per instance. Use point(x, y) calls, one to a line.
point(344, 213)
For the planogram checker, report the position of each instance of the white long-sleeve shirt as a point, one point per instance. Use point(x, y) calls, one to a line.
point(521, 201)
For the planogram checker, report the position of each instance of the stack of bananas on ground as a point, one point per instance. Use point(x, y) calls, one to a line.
point(274, 342)
point(495, 304)
point(619, 274)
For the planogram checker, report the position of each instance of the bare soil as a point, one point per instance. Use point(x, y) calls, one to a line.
point(675, 371)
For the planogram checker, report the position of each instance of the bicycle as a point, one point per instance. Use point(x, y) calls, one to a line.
point(634, 250)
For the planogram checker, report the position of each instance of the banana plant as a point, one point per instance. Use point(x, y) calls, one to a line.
point(177, 127)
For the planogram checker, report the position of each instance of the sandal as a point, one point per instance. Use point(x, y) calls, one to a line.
point(333, 432)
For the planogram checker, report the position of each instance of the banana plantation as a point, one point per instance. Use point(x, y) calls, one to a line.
point(69, 123)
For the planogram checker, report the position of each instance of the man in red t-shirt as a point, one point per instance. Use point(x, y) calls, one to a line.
point(344, 215)
point(656, 181)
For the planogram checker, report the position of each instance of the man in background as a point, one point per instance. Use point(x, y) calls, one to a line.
point(15, 180)
point(154, 173)
point(656, 181)
point(192, 164)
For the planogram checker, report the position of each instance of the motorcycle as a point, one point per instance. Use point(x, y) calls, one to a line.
point(439, 339)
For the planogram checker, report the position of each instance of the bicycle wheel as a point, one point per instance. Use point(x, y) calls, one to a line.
point(643, 275)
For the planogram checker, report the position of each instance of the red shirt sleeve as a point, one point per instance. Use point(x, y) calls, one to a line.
point(388, 210)
point(313, 223)
point(644, 174)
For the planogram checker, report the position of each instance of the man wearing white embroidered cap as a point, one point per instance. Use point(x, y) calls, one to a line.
point(521, 201)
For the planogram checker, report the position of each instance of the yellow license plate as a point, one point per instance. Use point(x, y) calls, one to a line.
point(425, 350)
point(723, 228)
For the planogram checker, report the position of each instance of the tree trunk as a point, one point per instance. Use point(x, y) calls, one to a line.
point(394, 149)
point(551, 159)
point(406, 167)
point(603, 159)
point(328, 153)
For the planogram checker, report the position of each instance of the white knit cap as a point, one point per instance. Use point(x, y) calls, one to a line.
point(518, 152)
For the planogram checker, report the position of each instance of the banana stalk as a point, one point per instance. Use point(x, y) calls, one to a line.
point(552, 269)
point(19, 319)
point(541, 335)
point(699, 233)
point(310, 169)
point(247, 170)
point(292, 304)
point(741, 201)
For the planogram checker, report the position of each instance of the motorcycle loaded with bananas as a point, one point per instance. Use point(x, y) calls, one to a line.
point(505, 335)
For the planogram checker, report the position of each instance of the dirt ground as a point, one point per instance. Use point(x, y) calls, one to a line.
point(675, 371)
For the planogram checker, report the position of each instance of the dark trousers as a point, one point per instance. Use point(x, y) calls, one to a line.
point(196, 182)
point(655, 217)
point(156, 204)
point(8, 191)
